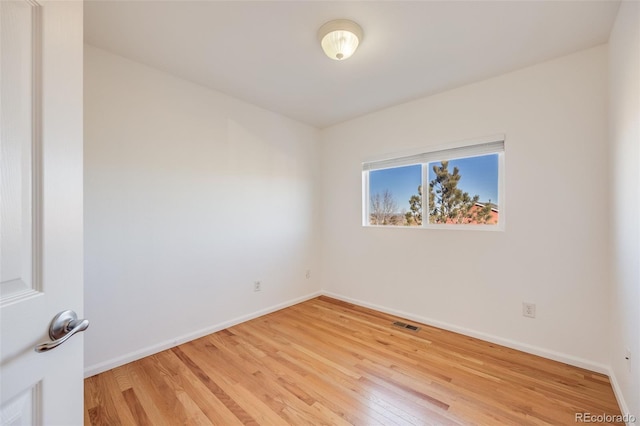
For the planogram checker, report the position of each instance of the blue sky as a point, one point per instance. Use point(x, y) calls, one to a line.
point(403, 182)
point(479, 176)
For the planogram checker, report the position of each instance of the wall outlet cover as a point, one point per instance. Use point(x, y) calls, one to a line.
point(529, 309)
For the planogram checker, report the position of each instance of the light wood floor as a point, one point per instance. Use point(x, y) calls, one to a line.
point(328, 362)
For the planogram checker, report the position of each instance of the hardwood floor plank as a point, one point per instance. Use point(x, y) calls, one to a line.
point(104, 410)
point(342, 405)
point(210, 405)
point(132, 401)
point(148, 368)
point(145, 391)
point(111, 385)
point(214, 388)
point(87, 418)
point(249, 401)
point(89, 392)
point(329, 362)
point(122, 379)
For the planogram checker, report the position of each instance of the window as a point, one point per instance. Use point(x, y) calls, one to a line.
point(460, 186)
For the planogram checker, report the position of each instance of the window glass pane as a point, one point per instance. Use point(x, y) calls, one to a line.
point(394, 197)
point(464, 191)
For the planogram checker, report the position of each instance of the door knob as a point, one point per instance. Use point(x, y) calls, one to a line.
point(63, 326)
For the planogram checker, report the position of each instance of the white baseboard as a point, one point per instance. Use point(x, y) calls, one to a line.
point(92, 370)
point(624, 408)
point(545, 353)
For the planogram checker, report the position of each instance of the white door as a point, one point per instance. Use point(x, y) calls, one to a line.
point(41, 209)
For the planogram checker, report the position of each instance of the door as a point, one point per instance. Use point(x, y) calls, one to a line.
point(41, 209)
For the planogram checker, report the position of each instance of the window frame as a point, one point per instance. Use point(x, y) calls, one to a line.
point(495, 144)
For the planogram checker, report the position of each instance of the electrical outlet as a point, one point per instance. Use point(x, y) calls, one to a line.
point(308, 273)
point(627, 356)
point(529, 309)
point(257, 286)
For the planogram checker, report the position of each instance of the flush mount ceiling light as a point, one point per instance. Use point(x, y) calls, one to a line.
point(340, 38)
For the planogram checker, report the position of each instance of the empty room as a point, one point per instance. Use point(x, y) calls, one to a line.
point(317, 212)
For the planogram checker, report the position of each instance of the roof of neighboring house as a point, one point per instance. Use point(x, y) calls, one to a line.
point(494, 207)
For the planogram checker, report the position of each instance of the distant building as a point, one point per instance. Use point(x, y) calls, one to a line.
point(493, 219)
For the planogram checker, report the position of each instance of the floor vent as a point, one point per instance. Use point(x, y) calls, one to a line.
point(405, 325)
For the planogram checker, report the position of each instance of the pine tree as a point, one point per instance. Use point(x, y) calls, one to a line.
point(414, 215)
point(483, 215)
point(450, 204)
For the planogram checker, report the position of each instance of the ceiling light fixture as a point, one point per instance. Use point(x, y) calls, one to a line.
point(340, 38)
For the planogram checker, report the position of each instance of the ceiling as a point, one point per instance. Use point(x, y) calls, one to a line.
point(267, 52)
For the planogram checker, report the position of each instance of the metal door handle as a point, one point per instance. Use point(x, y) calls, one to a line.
point(63, 326)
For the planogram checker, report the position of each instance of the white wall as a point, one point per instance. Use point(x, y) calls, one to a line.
point(624, 116)
point(190, 196)
point(554, 251)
